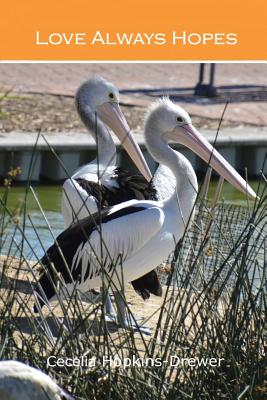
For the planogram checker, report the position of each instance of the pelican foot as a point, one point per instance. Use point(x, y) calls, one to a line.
point(130, 324)
point(62, 323)
point(126, 320)
point(111, 317)
point(139, 318)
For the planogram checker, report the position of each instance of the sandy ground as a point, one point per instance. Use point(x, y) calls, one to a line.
point(24, 300)
point(22, 277)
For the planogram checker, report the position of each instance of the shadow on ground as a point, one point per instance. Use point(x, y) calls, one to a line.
point(230, 93)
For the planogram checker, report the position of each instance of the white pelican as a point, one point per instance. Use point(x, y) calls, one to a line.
point(136, 235)
point(100, 183)
point(18, 381)
point(82, 193)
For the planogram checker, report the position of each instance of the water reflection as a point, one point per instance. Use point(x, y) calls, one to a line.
point(40, 233)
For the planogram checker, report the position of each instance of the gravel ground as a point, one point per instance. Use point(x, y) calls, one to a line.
point(56, 113)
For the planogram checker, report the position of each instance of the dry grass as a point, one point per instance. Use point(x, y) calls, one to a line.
point(214, 306)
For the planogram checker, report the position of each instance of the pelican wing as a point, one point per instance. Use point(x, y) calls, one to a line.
point(98, 242)
point(120, 236)
point(127, 234)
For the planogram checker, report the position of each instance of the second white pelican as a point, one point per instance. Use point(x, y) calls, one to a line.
point(100, 183)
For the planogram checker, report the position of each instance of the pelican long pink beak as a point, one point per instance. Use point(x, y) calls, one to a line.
point(111, 115)
point(191, 138)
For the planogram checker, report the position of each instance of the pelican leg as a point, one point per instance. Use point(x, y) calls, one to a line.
point(109, 310)
point(108, 305)
point(126, 320)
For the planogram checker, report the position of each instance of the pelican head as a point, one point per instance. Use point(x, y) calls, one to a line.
point(95, 92)
point(173, 124)
point(19, 381)
point(98, 98)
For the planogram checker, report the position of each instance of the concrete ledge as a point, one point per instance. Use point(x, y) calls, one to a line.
point(240, 136)
point(242, 147)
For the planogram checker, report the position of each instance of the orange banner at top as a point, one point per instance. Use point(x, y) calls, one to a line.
point(133, 30)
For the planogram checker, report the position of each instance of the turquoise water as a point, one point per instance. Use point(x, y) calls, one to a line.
point(50, 196)
point(40, 231)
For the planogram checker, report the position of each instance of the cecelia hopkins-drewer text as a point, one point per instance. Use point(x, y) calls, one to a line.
point(127, 362)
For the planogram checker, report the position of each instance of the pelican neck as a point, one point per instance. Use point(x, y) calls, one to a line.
point(100, 132)
point(184, 196)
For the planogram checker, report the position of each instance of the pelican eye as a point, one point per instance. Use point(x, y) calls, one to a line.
point(179, 119)
point(111, 96)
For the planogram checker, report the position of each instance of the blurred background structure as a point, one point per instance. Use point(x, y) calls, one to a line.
point(40, 97)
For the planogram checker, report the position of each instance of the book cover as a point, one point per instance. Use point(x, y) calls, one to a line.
point(133, 141)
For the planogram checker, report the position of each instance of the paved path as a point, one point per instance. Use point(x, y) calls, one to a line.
point(244, 84)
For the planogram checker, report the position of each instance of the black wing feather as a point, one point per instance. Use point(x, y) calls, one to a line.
point(129, 187)
point(59, 257)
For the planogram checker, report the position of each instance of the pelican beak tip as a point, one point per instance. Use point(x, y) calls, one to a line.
point(149, 177)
